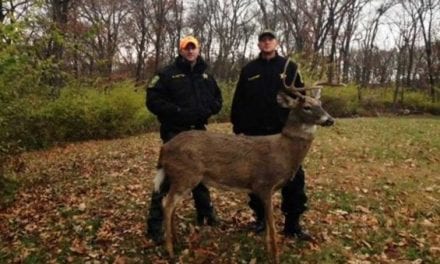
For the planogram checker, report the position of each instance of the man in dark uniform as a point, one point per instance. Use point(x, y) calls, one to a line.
point(182, 96)
point(255, 112)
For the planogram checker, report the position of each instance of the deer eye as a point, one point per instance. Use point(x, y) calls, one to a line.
point(307, 108)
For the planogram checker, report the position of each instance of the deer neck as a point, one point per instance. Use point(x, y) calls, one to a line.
point(296, 140)
point(301, 131)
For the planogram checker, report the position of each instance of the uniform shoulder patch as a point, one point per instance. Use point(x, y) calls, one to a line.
point(153, 81)
point(180, 75)
point(254, 77)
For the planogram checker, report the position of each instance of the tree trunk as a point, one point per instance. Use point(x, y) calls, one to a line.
point(398, 79)
point(2, 15)
point(60, 13)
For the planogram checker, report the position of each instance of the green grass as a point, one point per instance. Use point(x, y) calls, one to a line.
point(35, 257)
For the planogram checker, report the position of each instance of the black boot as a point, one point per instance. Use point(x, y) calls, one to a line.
point(257, 206)
point(155, 218)
point(205, 210)
point(156, 236)
point(292, 228)
point(258, 226)
point(211, 218)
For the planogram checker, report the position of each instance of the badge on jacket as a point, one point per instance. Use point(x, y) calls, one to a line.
point(154, 81)
point(254, 77)
point(180, 75)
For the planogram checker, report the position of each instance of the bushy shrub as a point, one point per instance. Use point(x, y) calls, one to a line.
point(341, 101)
point(227, 89)
point(21, 72)
point(120, 112)
point(78, 114)
point(416, 101)
point(344, 101)
point(89, 113)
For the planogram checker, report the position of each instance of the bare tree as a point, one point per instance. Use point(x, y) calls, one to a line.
point(400, 64)
point(310, 23)
point(368, 42)
point(3, 12)
point(59, 13)
point(174, 28)
point(227, 22)
point(13, 9)
point(105, 18)
point(410, 30)
point(405, 53)
point(138, 37)
point(337, 13)
point(269, 13)
point(98, 37)
point(425, 10)
point(198, 22)
point(157, 15)
point(296, 26)
point(354, 10)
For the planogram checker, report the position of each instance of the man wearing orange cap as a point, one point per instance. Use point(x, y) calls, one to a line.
point(182, 96)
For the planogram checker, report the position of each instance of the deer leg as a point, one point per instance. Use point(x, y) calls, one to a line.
point(173, 225)
point(167, 218)
point(170, 203)
point(271, 242)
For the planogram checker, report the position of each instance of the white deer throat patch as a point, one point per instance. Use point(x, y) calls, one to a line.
point(309, 129)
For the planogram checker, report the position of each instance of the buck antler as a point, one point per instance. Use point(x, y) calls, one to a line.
point(296, 90)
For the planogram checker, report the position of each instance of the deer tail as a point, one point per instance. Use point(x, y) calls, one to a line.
point(159, 179)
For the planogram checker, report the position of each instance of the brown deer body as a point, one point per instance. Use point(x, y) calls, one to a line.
point(257, 164)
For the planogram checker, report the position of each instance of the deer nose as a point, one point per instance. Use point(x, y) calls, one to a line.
point(329, 122)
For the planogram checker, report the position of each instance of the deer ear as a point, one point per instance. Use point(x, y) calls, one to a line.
point(285, 100)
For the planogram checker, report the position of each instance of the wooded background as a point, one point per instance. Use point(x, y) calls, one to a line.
point(363, 41)
point(76, 70)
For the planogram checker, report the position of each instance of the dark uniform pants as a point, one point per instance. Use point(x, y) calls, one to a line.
point(294, 198)
point(200, 194)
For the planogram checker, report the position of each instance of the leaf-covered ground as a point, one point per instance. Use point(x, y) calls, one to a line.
point(373, 186)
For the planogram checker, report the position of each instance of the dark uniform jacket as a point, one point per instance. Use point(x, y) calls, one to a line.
point(183, 98)
point(255, 110)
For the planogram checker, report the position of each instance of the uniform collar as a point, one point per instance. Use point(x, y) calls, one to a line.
point(185, 66)
point(275, 58)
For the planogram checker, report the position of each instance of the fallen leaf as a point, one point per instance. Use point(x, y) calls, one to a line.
point(78, 247)
point(119, 260)
point(82, 207)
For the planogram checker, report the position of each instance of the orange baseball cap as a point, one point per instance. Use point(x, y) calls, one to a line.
point(188, 40)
